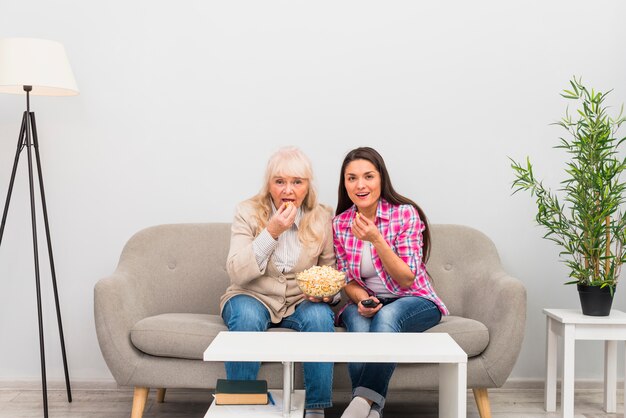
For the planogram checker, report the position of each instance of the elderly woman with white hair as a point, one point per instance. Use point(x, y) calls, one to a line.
point(276, 234)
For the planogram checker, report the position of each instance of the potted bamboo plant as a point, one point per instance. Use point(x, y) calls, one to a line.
point(584, 216)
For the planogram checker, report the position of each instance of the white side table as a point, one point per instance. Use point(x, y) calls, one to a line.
point(572, 325)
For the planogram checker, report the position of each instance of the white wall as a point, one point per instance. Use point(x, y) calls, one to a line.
point(182, 102)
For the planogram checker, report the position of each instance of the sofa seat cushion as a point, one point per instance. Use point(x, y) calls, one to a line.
point(179, 335)
point(472, 336)
point(186, 335)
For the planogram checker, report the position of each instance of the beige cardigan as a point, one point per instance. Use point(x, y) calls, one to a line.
point(277, 291)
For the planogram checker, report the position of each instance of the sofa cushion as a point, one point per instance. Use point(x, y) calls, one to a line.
point(185, 335)
point(472, 336)
point(180, 335)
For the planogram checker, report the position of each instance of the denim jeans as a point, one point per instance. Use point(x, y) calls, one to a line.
point(405, 314)
point(245, 313)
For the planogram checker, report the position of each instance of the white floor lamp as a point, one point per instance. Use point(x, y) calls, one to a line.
point(36, 67)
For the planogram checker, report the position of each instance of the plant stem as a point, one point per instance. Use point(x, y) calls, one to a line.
point(607, 253)
point(586, 237)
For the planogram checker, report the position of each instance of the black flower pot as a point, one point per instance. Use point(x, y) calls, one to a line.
point(594, 300)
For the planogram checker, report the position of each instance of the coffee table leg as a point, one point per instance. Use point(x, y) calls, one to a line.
point(550, 389)
point(293, 377)
point(610, 376)
point(452, 390)
point(287, 374)
point(567, 385)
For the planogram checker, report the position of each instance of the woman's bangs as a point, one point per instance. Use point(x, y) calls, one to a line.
point(291, 168)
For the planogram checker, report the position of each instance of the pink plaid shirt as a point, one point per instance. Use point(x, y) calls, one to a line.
point(401, 227)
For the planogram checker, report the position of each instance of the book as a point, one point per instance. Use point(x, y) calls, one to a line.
point(241, 392)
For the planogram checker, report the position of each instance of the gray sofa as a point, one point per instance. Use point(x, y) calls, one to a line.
point(159, 310)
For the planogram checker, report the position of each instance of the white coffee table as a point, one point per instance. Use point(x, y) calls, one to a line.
point(572, 325)
point(344, 347)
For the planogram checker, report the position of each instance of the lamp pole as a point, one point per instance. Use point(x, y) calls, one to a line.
point(28, 138)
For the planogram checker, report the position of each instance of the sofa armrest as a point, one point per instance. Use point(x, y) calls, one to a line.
point(117, 307)
point(499, 302)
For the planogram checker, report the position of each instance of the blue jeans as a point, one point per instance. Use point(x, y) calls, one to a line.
point(405, 314)
point(245, 313)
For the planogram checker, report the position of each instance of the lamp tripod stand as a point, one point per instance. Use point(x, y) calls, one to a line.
point(28, 139)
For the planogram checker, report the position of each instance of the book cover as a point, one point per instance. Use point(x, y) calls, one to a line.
point(241, 392)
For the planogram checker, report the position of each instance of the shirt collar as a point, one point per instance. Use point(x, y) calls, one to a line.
point(383, 209)
point(298, 214)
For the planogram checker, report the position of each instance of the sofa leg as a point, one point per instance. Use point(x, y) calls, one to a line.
point(482, 402)
point(161, 395)
point(139, 402)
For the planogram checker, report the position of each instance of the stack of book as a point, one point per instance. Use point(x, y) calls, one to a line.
point(241, 392)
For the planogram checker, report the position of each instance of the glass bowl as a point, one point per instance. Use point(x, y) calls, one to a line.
point(321, 281)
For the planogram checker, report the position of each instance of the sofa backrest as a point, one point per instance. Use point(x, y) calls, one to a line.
point(460, 256)
point(181, 267)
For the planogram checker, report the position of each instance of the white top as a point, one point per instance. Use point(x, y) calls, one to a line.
point(369, 274)
point(575, 316)
point(335, 347)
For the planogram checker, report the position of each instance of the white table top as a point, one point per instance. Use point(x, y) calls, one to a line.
point(335, 347)
point(575, 316)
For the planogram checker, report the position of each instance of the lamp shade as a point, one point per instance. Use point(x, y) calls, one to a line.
point(39, 63)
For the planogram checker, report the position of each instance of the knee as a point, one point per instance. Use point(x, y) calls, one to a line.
point(385, 321)
point(319, 318)
point(246, 315)
point(354, 322)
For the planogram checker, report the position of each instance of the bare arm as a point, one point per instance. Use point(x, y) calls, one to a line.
point(356, 293)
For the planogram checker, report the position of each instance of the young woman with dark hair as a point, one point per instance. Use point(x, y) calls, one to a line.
point(382, 242)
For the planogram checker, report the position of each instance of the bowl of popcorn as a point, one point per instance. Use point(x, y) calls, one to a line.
point(320, 281)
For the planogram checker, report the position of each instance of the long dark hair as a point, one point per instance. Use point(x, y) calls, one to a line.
point(387, 191)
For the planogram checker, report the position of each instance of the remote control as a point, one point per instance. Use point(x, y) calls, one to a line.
point(369, 303)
